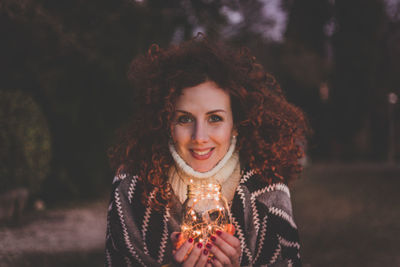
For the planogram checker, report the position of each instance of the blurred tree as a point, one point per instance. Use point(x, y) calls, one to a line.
point(305, 62)
point(25, 142)
point(72, 57)
point(358, 92)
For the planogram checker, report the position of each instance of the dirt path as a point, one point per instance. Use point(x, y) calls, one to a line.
point(52, 232)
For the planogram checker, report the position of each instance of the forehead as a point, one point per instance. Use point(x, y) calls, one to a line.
point(205, 96)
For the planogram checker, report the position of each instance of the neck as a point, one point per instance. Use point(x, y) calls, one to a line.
point(226, 173)
point(202, 175)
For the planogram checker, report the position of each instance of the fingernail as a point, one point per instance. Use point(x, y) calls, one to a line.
point(199, 245)
point(208, 245)
point(205, 251)
point(218, 232)
point(190, 240)
point(213, 238)
point(178, 235)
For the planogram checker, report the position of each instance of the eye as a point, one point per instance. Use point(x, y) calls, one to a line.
point(215, 118)
point(184, 119)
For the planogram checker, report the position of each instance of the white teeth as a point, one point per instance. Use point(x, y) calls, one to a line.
point(201, 153)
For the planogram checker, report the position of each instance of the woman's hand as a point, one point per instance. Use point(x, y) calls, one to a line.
point(225, 247)
point(186, 253)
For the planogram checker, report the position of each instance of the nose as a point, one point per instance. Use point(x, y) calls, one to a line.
point(200, 133)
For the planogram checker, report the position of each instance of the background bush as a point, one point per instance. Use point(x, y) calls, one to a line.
point(25, 142)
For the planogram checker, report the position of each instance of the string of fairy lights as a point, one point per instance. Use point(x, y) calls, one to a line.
point(205, 211)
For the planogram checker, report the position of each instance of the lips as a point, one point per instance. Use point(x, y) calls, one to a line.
point(201, 154)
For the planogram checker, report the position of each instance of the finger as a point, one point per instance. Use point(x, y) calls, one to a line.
point(193, 256)
point(218, 254)
point(202, 261)
point(230, 239)
point(177, 239)
point(230, 228)
point(226, 248)
point(215, 262)
point(209, 262)
point(180, 254)
point(175, 236)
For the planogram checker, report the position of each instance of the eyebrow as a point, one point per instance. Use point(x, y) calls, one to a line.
point(209, 112)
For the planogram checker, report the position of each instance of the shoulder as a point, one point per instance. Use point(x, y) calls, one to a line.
point(262, 215)
point(125, 186)
point(275, 196)
point(251, 180)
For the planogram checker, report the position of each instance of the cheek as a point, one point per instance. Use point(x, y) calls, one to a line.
point(180, 135)
point(224, 136)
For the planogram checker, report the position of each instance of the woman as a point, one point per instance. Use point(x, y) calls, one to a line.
point(204, 111)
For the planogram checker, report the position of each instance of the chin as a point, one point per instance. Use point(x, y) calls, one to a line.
point(202, 168)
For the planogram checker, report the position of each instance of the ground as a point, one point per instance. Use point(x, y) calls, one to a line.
point(348, 215)
point(72, 236)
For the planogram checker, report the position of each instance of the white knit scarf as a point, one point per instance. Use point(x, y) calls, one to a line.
point(228, 167)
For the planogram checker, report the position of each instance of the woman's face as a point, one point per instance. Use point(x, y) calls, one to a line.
point(203, 125)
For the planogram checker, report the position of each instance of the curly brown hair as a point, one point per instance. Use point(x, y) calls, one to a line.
point(271, 131)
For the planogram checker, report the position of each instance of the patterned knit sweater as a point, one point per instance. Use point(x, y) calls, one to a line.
point(262, 214)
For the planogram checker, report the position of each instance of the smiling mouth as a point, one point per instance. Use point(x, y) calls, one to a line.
point(201, 154)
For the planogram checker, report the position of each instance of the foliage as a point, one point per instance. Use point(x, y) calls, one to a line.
point(72, 57)
point(25, 142)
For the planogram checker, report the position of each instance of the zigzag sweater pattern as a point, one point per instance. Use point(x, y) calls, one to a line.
point(138, 235)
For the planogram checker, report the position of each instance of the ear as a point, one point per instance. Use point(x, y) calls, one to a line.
point(234, 132)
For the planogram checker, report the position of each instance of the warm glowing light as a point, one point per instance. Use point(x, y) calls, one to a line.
point(204, 211)
point(392, 98)
point(324, 92)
